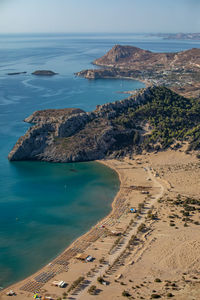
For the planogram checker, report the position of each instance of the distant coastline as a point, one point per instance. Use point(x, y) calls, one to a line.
point(177, 36)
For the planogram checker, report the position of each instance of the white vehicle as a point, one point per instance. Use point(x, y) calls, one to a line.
point(60, 284)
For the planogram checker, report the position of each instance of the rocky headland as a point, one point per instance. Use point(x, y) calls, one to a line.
point(179, 71)
point(154, 118)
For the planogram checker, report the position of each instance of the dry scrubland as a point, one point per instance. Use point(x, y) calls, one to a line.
point(157, 254)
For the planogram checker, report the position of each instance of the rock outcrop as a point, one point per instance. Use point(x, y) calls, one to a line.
point(16, 73)
point(152, 119)
point(109, 73)
point(70, 135)
point(44, 73)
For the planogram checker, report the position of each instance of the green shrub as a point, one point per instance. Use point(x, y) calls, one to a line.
point(100, 279)
point(141, 227)
point(126, 294)
point(92, 290)
point(155, 296)
point(170, 295)
point(158, 280)
point(76, 283)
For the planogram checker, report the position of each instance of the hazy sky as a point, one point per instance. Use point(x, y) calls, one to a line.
point(99, 16)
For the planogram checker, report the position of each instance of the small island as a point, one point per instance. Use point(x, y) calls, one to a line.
point(44, 73)
point(16, 73)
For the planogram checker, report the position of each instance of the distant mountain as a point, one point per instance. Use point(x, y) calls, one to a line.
point(139, 59)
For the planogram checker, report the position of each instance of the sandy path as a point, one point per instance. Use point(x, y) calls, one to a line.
point(111, 258)
point(170, 253)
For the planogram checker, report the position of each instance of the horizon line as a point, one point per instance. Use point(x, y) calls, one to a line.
point(90, 32)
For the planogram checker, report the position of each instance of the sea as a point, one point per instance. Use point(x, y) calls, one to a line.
point(45, 206)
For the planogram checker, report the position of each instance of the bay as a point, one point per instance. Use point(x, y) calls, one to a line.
point(44, 207)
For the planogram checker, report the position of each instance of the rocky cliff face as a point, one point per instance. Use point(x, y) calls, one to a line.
point(109, 73)
point(73, 135)
point(52, 115)
point(112, 129)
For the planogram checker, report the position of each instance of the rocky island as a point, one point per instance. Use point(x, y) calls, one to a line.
point(44, 73)
point(16, 73)
point(154, 118)
point(180, 71)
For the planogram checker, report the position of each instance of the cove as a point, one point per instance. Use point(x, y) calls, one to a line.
point(47, 206)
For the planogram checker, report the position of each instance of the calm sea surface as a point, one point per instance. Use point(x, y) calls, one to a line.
point(43, 206)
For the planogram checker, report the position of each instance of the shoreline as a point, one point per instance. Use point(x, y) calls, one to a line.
point(16, 284)
point(162, 258)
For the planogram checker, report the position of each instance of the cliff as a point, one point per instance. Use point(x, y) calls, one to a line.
point(112, 129)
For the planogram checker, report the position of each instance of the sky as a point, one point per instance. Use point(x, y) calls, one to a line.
point(134, 16)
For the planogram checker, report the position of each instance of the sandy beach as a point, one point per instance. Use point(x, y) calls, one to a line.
point(153, 253)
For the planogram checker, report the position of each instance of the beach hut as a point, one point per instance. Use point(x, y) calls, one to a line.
point(82, 256)
point(60, 284)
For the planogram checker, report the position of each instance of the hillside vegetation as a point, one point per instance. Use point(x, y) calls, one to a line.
point(153, 119)
point(171, 116)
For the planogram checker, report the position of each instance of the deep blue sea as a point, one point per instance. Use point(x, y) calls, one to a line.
point(45, 206)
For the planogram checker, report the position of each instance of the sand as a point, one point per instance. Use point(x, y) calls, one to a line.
point(161, 257)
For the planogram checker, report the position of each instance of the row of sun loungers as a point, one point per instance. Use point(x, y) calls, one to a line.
point(44, 276)
point(60, 264)
point(32, 286)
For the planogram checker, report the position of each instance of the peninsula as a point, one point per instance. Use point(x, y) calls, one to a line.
point(180, 71)
point(153, 119)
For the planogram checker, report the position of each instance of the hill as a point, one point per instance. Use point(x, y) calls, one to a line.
point(155, 118)
point(179, 71)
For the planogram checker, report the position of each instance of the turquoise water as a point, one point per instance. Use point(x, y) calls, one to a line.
point(44, 207)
